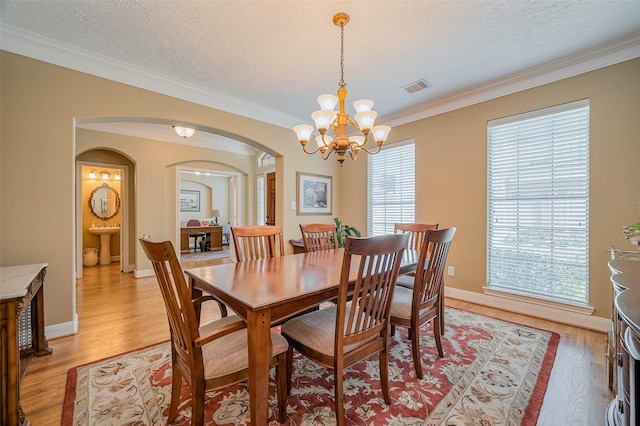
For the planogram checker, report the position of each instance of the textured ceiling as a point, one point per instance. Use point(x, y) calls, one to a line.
point(270, 59)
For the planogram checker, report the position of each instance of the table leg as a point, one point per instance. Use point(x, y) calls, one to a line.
point(260, 350)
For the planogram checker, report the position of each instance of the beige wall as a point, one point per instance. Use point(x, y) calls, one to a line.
point(41, 101)
point(39, 105)
point(451, 172)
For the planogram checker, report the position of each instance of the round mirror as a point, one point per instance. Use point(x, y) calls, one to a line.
point(104, 202)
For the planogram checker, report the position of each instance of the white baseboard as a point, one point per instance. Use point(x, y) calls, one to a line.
point(63, 329)
point(143, 273)
point(538, 311)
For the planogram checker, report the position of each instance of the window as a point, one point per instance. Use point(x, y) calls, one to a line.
point(392, 188)
point(260, 200)
point(538, 202)
point(266, 160)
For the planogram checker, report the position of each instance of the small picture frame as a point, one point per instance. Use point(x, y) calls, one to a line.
point(314, 194)
point(189, 201)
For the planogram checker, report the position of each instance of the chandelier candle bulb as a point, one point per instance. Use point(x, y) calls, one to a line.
point(303, 131)
point(363, 105)
point(327, 102)
point(339, 121)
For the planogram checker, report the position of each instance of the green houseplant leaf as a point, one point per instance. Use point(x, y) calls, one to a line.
point(342, 231)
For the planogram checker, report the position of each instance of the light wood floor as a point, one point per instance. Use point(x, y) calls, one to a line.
point(118, 313)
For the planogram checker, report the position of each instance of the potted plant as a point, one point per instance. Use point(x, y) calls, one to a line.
point(343, 230)
point(632, 233)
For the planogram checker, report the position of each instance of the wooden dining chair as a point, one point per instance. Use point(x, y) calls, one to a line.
point(257, 242)
point(416, 232)
point(414, 307)
point(319, 236)
point(207, 357)
point(348, 332)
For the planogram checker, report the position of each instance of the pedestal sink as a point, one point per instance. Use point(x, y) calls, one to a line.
point(105, 247)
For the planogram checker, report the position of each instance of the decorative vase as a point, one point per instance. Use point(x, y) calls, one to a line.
point(90, 257)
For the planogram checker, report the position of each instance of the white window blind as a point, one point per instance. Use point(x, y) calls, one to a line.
point(392, 188)
point(539, 203)
point(260, 200)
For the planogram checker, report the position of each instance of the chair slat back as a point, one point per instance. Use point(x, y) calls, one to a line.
point(416, 231)
point(318, 236)
point(257, 242)
point(433, 256)
point(183, 323)
point(377, 260)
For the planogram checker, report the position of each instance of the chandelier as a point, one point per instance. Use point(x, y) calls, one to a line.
point(339, 121)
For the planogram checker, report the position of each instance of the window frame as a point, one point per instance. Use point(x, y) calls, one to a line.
point(575, 194)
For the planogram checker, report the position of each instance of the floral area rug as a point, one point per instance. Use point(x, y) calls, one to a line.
point(493, 373)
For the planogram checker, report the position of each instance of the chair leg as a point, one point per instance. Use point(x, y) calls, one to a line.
point(438, 336)
point(414, 332)
point(441, 311)
point(197, 404)
point(338, 384)
point(384, 374)
point(289, 368)
point(176, 387)
point(393, 330)
point(281, 378)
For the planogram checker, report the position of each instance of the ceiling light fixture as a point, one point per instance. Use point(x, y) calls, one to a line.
point(185, 132)
point(339, 121)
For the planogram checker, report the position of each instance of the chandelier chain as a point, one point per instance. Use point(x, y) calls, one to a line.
point(342, 83)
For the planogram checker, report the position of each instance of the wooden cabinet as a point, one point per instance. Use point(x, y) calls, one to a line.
point(624, 342)
point(214, 237)
point(21, 333)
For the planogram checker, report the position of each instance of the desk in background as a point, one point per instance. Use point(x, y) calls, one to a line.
point(214, 236)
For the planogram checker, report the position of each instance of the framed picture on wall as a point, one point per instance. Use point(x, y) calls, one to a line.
point(314, 194)
point(189, 201)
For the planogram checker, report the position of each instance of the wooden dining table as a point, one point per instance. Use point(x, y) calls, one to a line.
point(268, 291)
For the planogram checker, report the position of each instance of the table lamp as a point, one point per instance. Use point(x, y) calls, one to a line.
point(215, 214)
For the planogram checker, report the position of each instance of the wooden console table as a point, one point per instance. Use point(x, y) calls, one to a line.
point(214, 236)
point(21, 333)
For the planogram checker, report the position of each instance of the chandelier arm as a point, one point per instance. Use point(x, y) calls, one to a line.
point(304, 148)
point(353, 123)
point(368, 151)
point(327, 152)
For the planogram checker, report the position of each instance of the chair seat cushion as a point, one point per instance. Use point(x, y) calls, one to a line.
point(316, 330)
point(229, 353)
point(406, 280)
point(401, 303)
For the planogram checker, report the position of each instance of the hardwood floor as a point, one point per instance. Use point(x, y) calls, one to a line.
point(118, 313)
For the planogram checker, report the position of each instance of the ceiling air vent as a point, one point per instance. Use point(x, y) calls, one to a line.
point(416, 86)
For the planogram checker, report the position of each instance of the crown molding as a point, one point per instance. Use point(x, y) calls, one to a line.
point(32, 45)
point(619, 51)
point(25, 43)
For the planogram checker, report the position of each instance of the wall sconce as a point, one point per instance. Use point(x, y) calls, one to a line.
point(92, 174)
point(185, 132)
point(117, 176)
point(104, 174)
